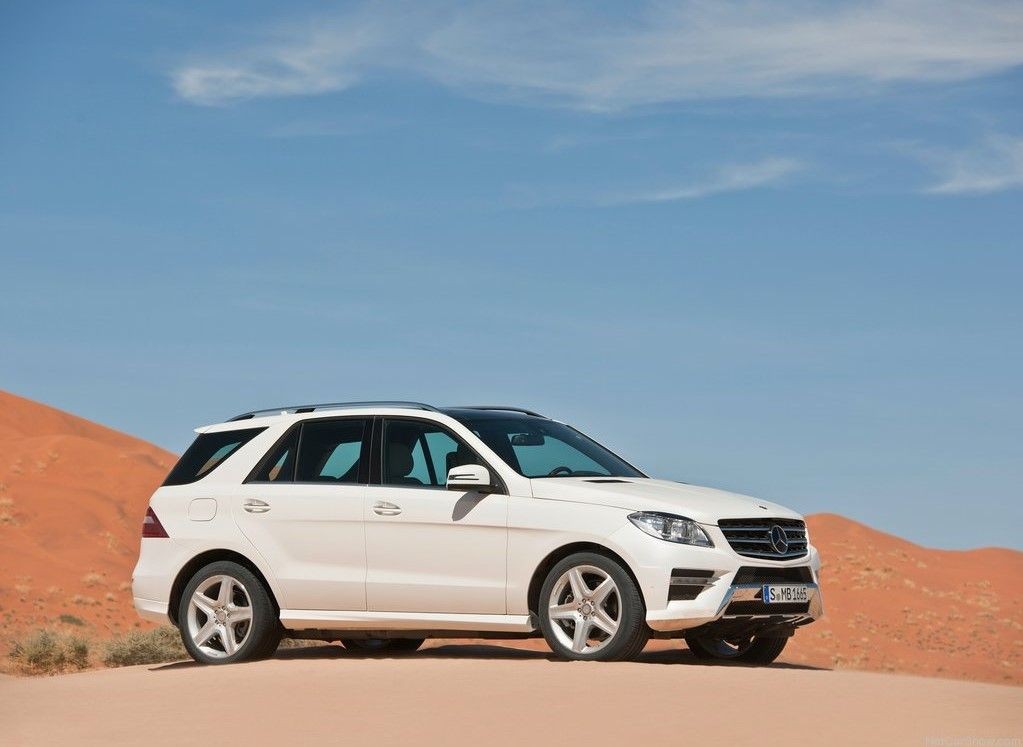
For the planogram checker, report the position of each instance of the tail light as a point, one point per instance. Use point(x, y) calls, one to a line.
point(151, 526)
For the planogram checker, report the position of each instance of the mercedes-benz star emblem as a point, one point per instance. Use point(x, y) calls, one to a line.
point(779, 541)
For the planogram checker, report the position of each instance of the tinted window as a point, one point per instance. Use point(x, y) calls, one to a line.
point(537, 447)
point(279, 465)
point(539, 459)
point(208, 452)
point(420, 453)
point(330, 451)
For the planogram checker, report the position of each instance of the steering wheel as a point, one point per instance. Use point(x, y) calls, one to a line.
point(560, 470)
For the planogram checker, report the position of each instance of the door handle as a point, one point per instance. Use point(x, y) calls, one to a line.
point(383, 508)
point(256, 506)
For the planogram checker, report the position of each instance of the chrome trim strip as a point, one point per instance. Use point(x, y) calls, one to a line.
point(363, 620)
point(771, 555)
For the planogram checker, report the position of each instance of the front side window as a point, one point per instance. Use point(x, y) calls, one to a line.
point(420, 453)
point(536, 447)
point(331, 451)
point(208, 452)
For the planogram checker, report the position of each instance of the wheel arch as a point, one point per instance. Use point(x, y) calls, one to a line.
point(203, 559)
point(556, 556)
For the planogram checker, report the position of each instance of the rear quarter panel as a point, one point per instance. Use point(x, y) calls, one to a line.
point(161, 559)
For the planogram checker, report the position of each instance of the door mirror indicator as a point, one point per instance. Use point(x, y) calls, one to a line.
point(470, 477)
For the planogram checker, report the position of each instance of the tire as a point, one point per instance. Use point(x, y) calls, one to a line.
point(205, 625)
point(613, 616)
point(370, 646)
point(753, 651)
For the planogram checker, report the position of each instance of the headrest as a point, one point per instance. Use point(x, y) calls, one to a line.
point(399, 459)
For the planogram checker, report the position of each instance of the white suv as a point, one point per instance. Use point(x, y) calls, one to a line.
point(382, 524)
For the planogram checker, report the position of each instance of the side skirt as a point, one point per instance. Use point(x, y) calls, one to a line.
point(405, 621)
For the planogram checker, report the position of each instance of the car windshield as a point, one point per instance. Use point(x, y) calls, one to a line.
point(536, 447)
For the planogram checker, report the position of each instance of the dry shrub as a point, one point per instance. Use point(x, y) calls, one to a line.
point(144, 647)
point(300, 643)
point(49, 652)
point(7, 510)
point(93, 579)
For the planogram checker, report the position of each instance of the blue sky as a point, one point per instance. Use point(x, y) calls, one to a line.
point(771, 247)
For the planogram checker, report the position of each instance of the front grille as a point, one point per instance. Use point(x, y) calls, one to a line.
point(757, 607)
point(752, 537)
point(749, 574)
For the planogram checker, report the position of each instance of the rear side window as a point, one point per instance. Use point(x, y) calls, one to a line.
point(331, 451)
point(279, 465)
point(208, 452)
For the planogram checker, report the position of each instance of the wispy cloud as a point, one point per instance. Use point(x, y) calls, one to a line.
point(732, 178)
point(993, 165)
point(735, 177)
point(577, 56)
point(304, 61)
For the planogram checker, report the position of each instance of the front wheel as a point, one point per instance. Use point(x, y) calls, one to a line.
point(226, 615)
point(749, 650)
point(591, 610)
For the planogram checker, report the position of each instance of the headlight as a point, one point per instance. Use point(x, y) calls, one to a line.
point(671, 528)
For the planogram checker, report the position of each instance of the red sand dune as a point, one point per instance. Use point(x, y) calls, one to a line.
point(894, 606)
point(72, 496)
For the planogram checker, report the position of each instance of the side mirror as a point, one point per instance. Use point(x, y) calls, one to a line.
point(472, 477)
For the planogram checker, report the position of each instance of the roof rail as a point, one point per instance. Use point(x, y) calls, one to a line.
point(502, 407)
point(333, 406)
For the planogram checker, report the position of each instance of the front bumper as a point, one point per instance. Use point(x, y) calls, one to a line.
point(678, 616)
point(654, 562)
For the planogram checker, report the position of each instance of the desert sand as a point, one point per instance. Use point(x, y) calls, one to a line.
point(73, 493)
point(498, 695)
point(72, 497)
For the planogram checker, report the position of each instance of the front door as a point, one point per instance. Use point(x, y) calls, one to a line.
point(303, 512)
point(429, 549)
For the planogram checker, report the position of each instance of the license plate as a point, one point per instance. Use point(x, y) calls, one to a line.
point(785, 594)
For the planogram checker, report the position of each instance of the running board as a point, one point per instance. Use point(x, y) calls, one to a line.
point(339, 620)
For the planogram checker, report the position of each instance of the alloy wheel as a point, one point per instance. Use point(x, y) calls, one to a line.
point(219, 616)
point(585, 609)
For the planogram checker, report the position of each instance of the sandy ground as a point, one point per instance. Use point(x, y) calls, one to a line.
point(498, 695)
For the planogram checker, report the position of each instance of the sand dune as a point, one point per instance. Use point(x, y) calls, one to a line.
point(72, 495)
point(894, 606)
point(497, 696)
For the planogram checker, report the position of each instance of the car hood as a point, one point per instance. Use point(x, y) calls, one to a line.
point(705, 505)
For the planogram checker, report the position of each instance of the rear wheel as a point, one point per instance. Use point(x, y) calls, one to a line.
point(590, 609)
point(750, 650)
point(226, 615)
point(382, 645)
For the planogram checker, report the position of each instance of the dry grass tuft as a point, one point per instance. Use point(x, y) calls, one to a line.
point(49, 652)
point(144, 647)
point(7, 510)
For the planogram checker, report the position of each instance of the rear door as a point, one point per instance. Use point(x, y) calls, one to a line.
point(303, 510)
point(430, 549)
